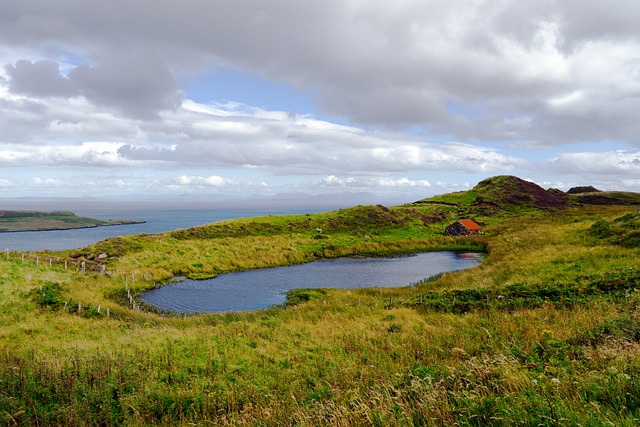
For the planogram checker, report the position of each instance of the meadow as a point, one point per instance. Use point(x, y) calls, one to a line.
point(546, 331)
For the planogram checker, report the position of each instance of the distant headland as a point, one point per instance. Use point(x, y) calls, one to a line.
point(17, 220)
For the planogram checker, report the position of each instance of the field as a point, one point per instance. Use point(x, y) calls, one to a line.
point(546, 331)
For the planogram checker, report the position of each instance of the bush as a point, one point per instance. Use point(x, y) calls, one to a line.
point(48, 295)
point(298, 296)
point(601, 229)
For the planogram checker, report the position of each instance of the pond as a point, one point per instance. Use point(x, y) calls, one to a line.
point(262, 288)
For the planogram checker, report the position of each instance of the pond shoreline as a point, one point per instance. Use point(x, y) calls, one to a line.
point(242, 291)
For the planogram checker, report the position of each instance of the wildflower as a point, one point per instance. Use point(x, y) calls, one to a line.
point(555, 381)
point(534, 381)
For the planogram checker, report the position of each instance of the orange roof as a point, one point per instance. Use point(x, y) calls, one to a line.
point(470, 225)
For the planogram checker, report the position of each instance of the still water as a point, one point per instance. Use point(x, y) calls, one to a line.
point(262, 288)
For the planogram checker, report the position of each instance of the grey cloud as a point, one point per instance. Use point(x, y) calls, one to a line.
point(375, 63)
point(583, 22)
point(39, 79)
point(140, 86)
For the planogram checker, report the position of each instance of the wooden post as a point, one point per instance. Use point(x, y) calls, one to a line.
point(65, 264)
point(23, 257)
point(79, 306)
point(50, 262)
point(83, 266)
point(37, 261)
point(108, 311)
point(98, 308)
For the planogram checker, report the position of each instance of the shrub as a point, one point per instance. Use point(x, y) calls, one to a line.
point(48, 295)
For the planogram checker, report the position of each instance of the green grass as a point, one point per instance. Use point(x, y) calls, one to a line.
point(543, 332)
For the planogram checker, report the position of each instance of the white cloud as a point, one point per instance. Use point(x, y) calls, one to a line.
point(103, 86)
point(207, 181)
point(369, 183)
point(47, 182)
point(612, 163)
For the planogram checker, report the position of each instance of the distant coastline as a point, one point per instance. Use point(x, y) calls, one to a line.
point(12, 221)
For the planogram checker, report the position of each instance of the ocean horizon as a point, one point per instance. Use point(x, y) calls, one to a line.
point(157, 221)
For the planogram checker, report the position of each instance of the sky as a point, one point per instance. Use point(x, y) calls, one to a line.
point(268, 99)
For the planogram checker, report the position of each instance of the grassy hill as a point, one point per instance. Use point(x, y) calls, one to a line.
point(507, 193)
point(546, 331)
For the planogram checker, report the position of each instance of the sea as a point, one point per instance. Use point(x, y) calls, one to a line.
point(157, 221)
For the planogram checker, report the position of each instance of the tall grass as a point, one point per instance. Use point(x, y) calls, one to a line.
point(521, 345)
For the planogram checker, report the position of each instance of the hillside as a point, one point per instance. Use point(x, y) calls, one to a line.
point(512, 194)
point(545, 331)
point(59, 220)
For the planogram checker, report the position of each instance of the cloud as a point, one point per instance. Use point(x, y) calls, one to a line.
point(420, 87)
point(374, 63)
point(75, 132)
point(208, 181)
point(598, 164)
point(373, 182)
point(47, 182)
point(39, 79)
point(138, 86)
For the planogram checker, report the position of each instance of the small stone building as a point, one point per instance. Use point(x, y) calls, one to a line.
point(464, 227)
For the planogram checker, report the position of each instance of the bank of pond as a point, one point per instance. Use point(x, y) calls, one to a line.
point(266, 287)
